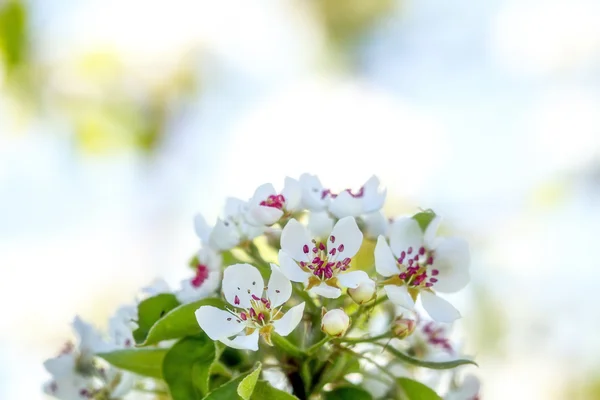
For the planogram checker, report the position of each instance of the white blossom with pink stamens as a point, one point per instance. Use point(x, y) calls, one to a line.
point(256, 308)
point(322, 267)
point(417, 264)
point(267, 206)
point(206, 279)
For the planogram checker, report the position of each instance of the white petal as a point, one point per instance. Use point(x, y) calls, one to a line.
point(430, 232)
point(286, 324)
point(279, 288)
point(217, 323)
point(292, 192)
point(352, 279)
point(452, 261)
point(320, 224)
point(90, 339)
point(157, 286)
point(385, 263)
point(399, 296)
point(293, 239)
point(247, 342)
point(263, 215)
point(224, 235)
point(375, 224)
point(312, 192)
point(326, 291)
point(235, 207)
point(291, 269)
point(263, 192)
point(438, 309)
point(345, 205)
point(61, 366)
point(405, 233)
point(249, 232)
point(373, 198)
point(202, 228)
point(240, 282)
point(345, 233)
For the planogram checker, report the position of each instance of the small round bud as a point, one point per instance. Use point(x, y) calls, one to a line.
point(403, 327)
point(364, 292)
point(335, 322)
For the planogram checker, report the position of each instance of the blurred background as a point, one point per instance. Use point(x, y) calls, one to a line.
point(120, 119)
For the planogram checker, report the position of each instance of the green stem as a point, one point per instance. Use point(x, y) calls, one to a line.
point(426, 364)
point(306, 297)
point(379, 367)
point(366, 339)
point(318, 345)
point(287, 346)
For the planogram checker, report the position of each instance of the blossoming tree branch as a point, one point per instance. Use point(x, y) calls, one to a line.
point(298, 294)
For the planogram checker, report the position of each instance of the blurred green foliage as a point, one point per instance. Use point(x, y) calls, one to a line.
point(346, 20)
point(13, 35)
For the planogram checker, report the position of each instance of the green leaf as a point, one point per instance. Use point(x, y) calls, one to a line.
point(246, 386)
point(348, 393)
point(426, 364)
point(424, 218)
point(146, 362)
point(413, 390)
point(151, 310)
point(179, 322)
point(228, 390)
point(187, 365)
point(264, 391)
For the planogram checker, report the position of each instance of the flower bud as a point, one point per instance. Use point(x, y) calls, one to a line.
point(403, 327)
point(364, 292)
point(335, 322)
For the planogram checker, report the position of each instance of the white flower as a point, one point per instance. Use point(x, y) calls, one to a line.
point(75, 374)
point(368, 199)
point(257, 308)
point(420, 263)
point(206, 280)
point(364, 292)
point(335, 322)
point(267, 206)
point(322, 268)
point(469, 390)
point(233, 229)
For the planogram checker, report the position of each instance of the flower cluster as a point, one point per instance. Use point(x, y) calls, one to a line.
point(332, 261)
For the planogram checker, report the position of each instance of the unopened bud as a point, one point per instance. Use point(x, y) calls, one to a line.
point(335, 322)
point(364, 292)
point(403, 327)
